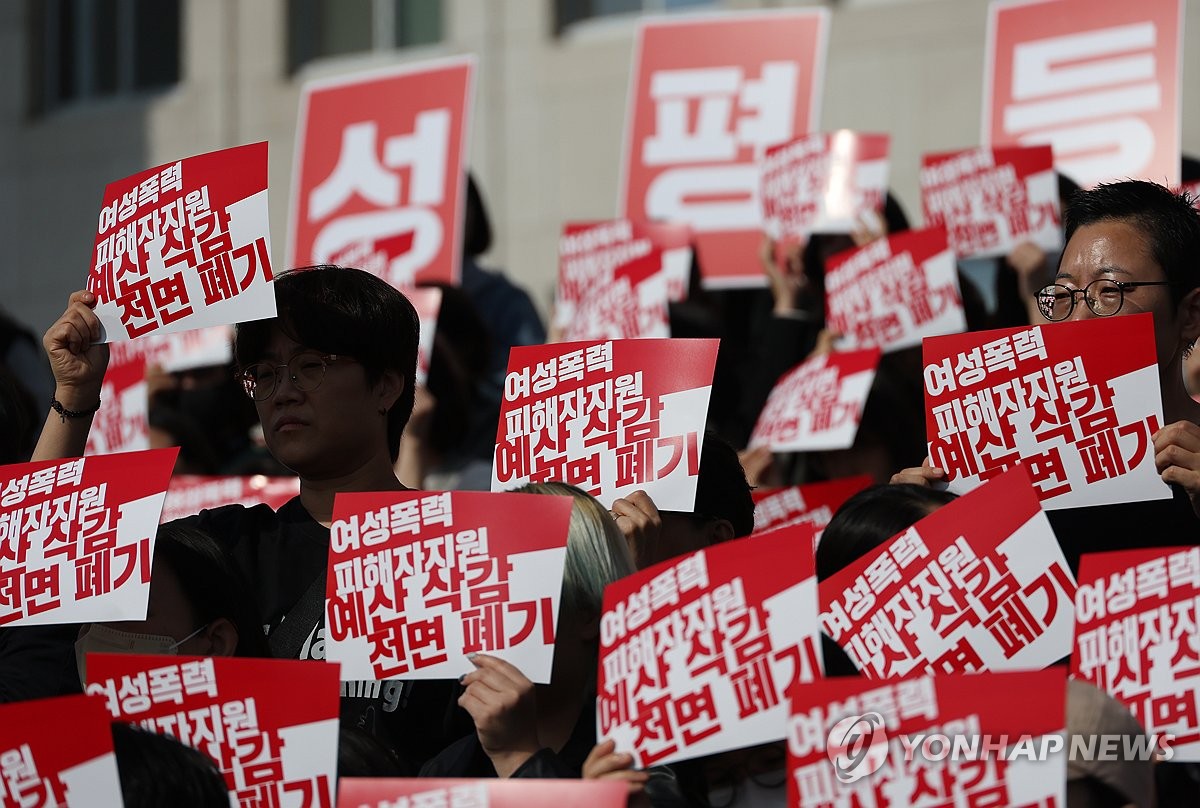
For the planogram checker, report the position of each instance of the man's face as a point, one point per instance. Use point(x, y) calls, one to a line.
point(326, 432)
point(1117, 250)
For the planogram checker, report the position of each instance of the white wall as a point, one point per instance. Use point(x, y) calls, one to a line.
point(546, 137)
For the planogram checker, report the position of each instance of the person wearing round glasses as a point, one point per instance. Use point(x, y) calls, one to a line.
point(333, 377)
point(1132, 247)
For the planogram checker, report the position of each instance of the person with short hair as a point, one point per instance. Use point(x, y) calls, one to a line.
point(550, 735)
point(332, 377)
point(157, 770)
point(199, 606)
point(724, 510)
point(1131, 248)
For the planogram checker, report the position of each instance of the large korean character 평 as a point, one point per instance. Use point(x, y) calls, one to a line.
point(696, 121)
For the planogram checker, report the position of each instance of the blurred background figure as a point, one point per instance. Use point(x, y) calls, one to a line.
point(157, 770)
point(199, 606)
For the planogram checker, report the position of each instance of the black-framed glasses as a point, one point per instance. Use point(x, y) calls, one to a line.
point(1103, 296)
point(305, 370)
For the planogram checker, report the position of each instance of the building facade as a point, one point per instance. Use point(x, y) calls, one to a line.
point(95, 90)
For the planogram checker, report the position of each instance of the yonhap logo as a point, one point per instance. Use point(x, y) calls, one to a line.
point(857, 746)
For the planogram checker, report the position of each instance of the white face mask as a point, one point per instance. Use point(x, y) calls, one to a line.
point(103, 639)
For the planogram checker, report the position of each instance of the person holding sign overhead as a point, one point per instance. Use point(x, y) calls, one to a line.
point(333, 379)
point(1131, 248)
point(548, 734)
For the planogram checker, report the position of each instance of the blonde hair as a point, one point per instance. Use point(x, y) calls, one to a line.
point(597, 553)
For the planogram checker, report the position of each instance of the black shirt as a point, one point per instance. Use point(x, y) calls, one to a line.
point(281, 553)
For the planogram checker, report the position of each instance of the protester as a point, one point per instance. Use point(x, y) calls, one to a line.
point(207, 401)
point(157, 770)
point(199, 606)
point(361, 754)
point(20, 357)
point(869, 518)
point(348, 342)
point(527, 730)
point(1122, 782)
point(1023, 271)
point(1138, 233)
point(436, 452)
point(507, 311)
point(18, 414)
point(866, 521)
point(724, 510)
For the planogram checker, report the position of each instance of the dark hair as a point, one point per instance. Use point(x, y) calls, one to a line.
point(1168, 221)
point(18, 414)
point(196, 452)
point(823, 246)
point(211, 584)
point(342, 310)
point(157, 770)
point(895, 407)
point(458, 361)
point(721, 487)
point(870, 518)
point(361, 754)
point(477, 228)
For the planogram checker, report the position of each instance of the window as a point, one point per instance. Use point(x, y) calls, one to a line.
point(320, 28)
point(569, 11)
point(100, 48)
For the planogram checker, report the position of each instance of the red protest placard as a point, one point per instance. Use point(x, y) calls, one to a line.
point(188, 350)
point(698, 653)
point(270, 725)
point(675, 241)
point(814, 503)
point(991, 200)
point(817, 404)
point(77, 537)
point(428, 303)
point(894, 292)
point(1135, 637)
point(1099, 80)
point(57, 752)
point(191, 493)
point(185, 245)
point(439, 792)
point(823, 183)
point(926, 742)
point(1075, 402)
point(122, 424)
point(380, 171)
point(979, 584)
point(708, 95)
point(609, 417)
point(419, 581)
point(611, 283)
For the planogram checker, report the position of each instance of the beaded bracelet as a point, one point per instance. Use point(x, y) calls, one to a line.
point(64, 413)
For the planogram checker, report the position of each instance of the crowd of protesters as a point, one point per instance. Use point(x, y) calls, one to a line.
point(327, 391)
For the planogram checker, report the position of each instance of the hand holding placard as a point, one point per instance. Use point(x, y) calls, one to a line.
point(77, 357)
point(501, 702)
point(1177, 458)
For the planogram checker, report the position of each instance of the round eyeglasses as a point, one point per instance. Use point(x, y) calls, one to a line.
point(306, 372)
point(1103, 296)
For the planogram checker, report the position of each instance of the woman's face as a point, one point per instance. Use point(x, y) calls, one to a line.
point(329, 431)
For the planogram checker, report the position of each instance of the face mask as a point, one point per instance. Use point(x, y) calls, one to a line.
point(103, 639)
